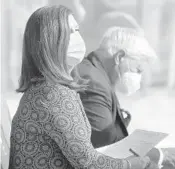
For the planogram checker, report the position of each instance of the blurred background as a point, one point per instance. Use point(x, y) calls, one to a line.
point(153, 107)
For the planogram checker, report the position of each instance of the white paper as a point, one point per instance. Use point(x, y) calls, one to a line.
point(141, 141)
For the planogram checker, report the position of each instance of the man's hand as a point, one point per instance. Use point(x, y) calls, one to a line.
point(169, 156)
point(141, 163)
point(152, 166)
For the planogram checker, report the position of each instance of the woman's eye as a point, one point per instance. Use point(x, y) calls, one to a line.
point(75, 30)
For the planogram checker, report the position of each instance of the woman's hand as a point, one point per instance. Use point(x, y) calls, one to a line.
point(141, 163)
point(169, 156)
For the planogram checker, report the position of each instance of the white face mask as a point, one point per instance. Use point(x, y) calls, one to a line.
point(76, 47)
point(130, 82)
point(76, 50)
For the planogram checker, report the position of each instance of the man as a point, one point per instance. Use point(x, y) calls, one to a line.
point(117, 64)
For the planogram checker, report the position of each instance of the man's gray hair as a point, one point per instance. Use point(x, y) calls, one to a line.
point(130, 40)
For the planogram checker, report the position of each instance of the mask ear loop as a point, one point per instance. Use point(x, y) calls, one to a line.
point(128, 65)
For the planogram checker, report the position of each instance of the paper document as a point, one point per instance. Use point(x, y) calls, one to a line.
point(141, 141)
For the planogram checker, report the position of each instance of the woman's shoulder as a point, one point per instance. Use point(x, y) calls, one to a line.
point(46, 96)
point(51, 90)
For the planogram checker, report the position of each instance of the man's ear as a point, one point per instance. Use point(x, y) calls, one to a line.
point(118, 56)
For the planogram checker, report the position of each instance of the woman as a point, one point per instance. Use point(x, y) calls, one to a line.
point(50, 128)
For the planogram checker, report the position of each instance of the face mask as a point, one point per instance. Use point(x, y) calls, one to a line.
point(76, 50)
point(130, 82)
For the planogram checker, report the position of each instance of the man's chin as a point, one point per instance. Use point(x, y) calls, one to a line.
point(122, 92)
point(125, 92)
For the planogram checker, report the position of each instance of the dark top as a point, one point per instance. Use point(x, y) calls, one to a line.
point(100, 103)
point(50, 130)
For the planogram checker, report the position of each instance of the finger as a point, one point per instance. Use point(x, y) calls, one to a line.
point(152, 165)
point(172, 163)
point(146, 161)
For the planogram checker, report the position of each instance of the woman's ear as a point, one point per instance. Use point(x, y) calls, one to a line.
point(118, 56)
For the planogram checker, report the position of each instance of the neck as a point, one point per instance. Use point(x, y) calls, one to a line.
point(104, 58)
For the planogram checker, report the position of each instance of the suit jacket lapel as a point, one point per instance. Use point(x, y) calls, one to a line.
point(94, 59)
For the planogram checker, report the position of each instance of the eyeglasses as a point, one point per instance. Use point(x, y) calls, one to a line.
point(135, 65)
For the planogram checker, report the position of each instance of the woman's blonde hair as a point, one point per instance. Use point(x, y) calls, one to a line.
point(45, 44)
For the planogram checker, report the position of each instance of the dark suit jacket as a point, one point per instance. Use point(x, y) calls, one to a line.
point(100, 103)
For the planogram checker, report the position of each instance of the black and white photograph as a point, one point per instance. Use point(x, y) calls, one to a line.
point(87, 84)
